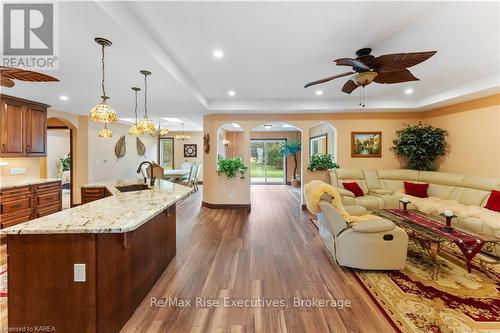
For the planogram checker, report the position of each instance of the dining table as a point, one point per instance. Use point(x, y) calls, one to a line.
point(175, 174)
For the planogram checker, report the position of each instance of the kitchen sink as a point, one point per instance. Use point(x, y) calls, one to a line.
point(132, 188)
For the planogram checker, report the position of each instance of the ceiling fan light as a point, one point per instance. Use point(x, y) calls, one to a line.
point(364, 78)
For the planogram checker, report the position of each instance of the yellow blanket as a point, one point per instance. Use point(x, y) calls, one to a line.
point(316, 188)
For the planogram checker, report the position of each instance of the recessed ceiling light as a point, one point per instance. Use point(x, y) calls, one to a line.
point(268, 126)
point(409, 91)
point(63, 98)
point(319, 92)
point(231, 93)
point(218, 54)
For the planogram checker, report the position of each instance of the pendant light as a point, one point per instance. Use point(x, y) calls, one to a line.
point(183, 136)
point(134, 129)
point(160, 131)
point(105, 132)
point(145, 124)
point(102, 112)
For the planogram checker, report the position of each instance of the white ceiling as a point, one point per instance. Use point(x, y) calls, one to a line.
point(271, 50)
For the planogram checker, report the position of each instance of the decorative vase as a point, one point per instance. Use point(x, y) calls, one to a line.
point(448, 216)
point(405, 201)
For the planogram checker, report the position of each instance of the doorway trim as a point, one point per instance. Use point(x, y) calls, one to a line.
point(70, 162)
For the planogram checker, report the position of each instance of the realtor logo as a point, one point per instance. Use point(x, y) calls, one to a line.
point(29, 35)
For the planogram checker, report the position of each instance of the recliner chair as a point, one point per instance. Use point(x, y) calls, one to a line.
point(372, 245)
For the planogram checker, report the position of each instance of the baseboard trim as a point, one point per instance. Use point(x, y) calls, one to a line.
point(226, 206)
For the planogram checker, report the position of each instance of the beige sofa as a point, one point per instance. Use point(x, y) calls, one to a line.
point(374, 245)
point(465, 195)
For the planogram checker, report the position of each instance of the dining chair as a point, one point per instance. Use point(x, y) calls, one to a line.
point(197, 176)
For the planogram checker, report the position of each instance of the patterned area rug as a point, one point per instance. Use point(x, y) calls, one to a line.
point(454, 302)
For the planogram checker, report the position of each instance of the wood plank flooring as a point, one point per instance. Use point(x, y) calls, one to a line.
point(272, 253)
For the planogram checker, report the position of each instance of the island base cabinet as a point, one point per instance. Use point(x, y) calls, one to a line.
point(120, 270)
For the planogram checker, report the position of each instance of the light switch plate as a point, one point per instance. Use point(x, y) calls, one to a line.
point(79, 273)
point(17, 171)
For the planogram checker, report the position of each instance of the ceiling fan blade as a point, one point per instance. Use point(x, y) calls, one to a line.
point(6, 82)
point(395, 77)
point(397, 61)
point(328, 79)
point(358, 64)
point(349, 86)
point(25, 75)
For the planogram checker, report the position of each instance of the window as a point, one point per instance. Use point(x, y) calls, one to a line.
point(318, 145)
point(166, 148)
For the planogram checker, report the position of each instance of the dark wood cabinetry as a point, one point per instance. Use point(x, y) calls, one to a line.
point(21, 204)
point(23, 127)
point(90, 194)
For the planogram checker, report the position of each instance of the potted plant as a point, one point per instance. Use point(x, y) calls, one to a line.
point(292, 148)
point(420, 145)
point(322, 162)
point(230, 167)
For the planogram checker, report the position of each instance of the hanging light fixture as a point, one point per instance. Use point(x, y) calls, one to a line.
point(102, 112)
point(134, 129)
point(183, 136)
point(160, 131)
point(105, 132)
point(145, 124)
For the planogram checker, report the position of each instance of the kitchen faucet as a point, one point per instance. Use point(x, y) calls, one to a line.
point(152, 179)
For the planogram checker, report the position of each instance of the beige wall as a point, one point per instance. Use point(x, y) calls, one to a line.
point(474, 137)
point(103, 163)
point(196, 138)
point(466, 122)
point(32, 165)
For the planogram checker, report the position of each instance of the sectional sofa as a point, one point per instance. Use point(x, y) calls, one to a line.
point(465, 195)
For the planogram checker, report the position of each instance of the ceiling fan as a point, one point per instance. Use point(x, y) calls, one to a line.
point(387, 68)
point(9, 74)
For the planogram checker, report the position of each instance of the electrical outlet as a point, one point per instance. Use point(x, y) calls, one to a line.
point(79, 273)
point(17, 171)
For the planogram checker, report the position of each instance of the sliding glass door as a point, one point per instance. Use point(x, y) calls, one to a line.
point(267, 163)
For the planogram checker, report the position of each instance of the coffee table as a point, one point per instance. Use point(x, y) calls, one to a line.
point(431, 234)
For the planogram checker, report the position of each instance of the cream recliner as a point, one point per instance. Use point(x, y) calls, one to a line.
point(374, 245)
point(466, 195)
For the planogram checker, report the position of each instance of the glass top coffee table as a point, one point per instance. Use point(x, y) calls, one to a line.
point(431, 234)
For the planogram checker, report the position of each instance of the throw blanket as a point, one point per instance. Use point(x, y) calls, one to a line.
point(316, 188)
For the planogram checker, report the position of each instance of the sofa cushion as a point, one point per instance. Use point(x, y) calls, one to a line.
point(493, 201)
point(472, 196)
point(416, 190)
point(373, 226)
point(354, 188)
point(370, 201)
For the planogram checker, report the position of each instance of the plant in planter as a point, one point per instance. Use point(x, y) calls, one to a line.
point(420, 145)
point(322, 162)
point(292, 148)
point(230, 167)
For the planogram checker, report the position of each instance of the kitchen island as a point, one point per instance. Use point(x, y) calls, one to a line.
point(86, 269)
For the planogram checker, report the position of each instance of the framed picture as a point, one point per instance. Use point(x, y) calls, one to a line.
point(318, 145)
point(366, 144)
point(190, 150)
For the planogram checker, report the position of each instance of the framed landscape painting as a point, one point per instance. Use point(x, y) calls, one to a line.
point(366, 144)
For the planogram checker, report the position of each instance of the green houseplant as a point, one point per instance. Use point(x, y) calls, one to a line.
point(292, 148)
point(322, 162)
point(230, 167)
point(419, 145)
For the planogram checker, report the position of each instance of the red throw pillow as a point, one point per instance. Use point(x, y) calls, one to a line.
point(354, 188)
point(493, 201)
point(416, 190)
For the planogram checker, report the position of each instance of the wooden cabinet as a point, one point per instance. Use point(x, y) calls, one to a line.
point(90, 194)
point(21, 204)
point(23, 127)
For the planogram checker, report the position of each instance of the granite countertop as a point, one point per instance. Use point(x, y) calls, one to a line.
point(118, 213)
point(27, 182)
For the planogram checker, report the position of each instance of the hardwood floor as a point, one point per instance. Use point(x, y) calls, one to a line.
point(272, 252)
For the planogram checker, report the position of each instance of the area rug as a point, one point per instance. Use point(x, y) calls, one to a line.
point(454, 302)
